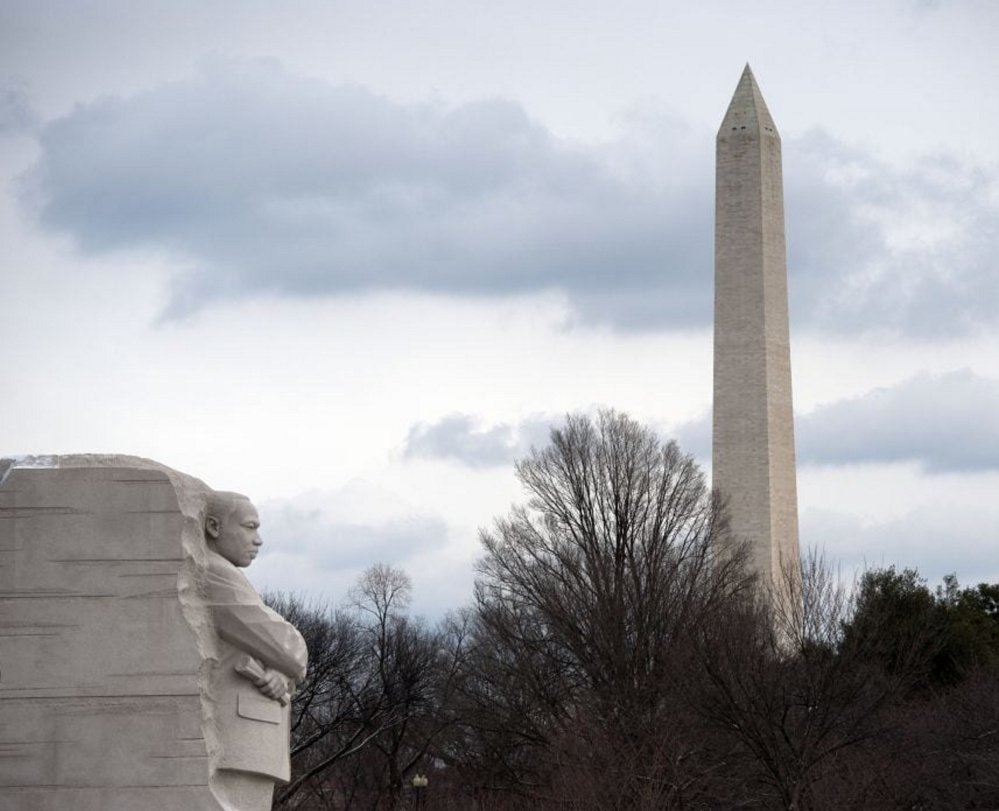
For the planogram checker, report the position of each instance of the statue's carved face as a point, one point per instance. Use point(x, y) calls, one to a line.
point(237, 538)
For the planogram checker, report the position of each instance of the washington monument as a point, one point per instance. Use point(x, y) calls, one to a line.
point(753, 425)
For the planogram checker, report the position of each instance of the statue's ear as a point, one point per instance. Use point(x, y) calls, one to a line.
point(212, 527)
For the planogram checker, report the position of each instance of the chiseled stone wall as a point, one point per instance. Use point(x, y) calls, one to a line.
point(102, 643)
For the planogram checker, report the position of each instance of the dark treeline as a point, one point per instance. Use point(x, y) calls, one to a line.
point(618, 656)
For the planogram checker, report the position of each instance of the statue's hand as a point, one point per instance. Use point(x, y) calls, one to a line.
point(270, 682)
point(273, 685)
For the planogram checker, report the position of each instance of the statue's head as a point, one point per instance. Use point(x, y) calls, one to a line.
point(232, 527)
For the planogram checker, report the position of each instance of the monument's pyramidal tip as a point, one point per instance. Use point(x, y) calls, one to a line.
point(747, 112)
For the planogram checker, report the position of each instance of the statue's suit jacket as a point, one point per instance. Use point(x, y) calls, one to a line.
point(253, 730)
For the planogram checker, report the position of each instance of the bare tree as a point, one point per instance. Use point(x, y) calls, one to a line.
point(588, 596)
point(334, 712)
point(801, 685)
point(376, 715)
point(364, 715)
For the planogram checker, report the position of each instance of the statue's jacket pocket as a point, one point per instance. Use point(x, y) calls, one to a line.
point(258, 708)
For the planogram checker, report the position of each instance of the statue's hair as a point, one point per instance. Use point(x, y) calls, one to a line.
point(220, 504)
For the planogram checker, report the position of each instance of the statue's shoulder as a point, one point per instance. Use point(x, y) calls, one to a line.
point(218, 565)
point(227, 579)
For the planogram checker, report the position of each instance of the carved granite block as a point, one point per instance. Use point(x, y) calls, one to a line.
point(111, 664)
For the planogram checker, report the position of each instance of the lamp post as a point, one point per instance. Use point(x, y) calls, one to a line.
point(419, 783)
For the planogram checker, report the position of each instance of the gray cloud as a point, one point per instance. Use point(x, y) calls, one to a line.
point(331, 545)
point(462, 438)
point(265, 182)
point(875, 248)
point(694, 437)
point(16, 112)
point(317, 543)
point(258, 181)
point(946, 423)
point(937, 539)
point(458, 438)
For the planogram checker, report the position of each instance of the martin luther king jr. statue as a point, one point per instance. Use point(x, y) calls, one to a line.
point(261, 659)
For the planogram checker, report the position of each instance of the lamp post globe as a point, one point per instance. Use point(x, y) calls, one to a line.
point(419, 784)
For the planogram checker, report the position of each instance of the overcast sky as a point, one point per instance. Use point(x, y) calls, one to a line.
point(353, 258)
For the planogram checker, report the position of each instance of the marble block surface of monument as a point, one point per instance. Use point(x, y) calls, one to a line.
point(108, 646)
point(753, 456)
